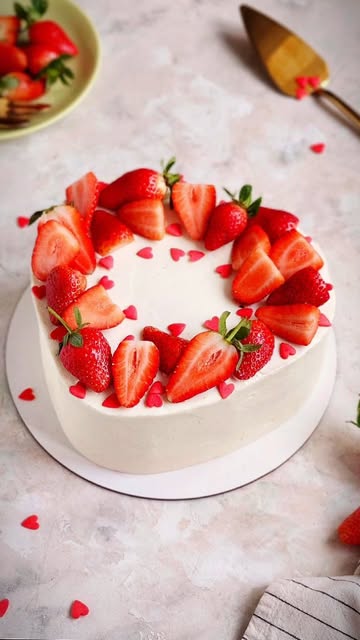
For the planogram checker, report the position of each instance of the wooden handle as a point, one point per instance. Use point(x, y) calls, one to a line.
point(350, 113)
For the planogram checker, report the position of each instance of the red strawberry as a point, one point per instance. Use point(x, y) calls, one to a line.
point(253, 237)
point(9, 29)
point(20, 86)
point(55, 245)
point(50, 33)
point(135, 365)
point(85, 260)
point(108, 233)
point(275, 222)
point(229, 219)
point(207, 361)
point(170, 347)
point(11, 59)
point(305, 286)
point(45, 62)
point(96, 308)
point(252, 361)
point(63, 286)
point(292, 252)
point(256, 278)
point(296, 323)
point(86, 354)
point(84, 195)
point(194, 203)
point(349, 530)
point(145, 217)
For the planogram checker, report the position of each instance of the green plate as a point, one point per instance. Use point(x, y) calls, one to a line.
point(85, 65)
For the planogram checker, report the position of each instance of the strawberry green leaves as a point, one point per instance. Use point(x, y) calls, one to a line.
point(244, 199)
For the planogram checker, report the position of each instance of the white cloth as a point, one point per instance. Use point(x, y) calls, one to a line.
point(308, 609)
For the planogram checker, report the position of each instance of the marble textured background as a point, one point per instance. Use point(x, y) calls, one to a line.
point(181, 78)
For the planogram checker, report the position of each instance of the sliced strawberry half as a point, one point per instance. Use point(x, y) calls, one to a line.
point(304, 286)
point(134, 367)
point(253, 237)
point(257, 277)
point(296, 323)
point(55, 245)
point(292, 252)
point(170, 347)
point(349, 529)
point(144, 217)
point(108, 232)
point(96, 309)
point(194, 203)
point(84, 195)
point(275, 222)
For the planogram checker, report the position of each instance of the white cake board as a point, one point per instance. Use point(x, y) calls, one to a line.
point(23, 366)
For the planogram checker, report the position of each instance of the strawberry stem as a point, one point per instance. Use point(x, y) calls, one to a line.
point(73, 336)
point(244, 199)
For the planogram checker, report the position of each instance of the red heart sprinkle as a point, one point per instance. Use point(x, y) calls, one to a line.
point(324, 321)
point(224, 270)
point(129, 337)
point(106, 282)
point(176, 328)
point(225, 389)
point(174, 229)
point(246, 312)
point(22, 221)
point(39, 292)
point(319, 147)
point(329, 286)
point(58, 333)
point(107, 262)
point(4, 605)
point(130, 312)
point(176, 254)
point(111, 402)
point(78, 390)
point(314, 81)
point(301, 93)
point(308, 239)
point(153, 400)
point(31, 522)
point(157, 387)
point(146, 253)
point(286, 350)
point(196, 255)
point(212, 324)
point(78, 609)
point(28, 394)
point(301, 81)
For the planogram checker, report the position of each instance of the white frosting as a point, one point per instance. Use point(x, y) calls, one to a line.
point(150, 440)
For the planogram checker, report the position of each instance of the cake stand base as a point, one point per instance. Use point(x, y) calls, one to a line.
point(23, 366)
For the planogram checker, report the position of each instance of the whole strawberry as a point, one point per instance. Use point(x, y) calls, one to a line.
point(229, 219)
point(255, 359)
point(304, 286)
point(349, 530)
point(275, 222)
point(63, 287)
point(86, 354)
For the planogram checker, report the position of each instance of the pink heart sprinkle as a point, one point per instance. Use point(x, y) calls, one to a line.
point(324, 321)
point(78, 609)
point(111, 402)
point(153, 400)
point(301, 81)
point(301, 93)
point(78, 390)
point(225, 389)
point(146, 253)
point(176, 328)
point(314, 81)
point(4, 605)
point(130, 312)
point(319, 147)
point(212, 324)
point(245, 313)
point(107, 262)
point(195, 255)
point(22, 221)
point(28, 395)
point(286, 350)
point(58, 333)
point(174, 229)
point(106, 282)
point(308, 239)
point(176, 254)
point(224, 270)
point(39, 292)
point(129, 337)
point(157, 387)
point(31, 522)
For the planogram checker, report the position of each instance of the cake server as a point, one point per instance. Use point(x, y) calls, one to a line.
point(287, 57)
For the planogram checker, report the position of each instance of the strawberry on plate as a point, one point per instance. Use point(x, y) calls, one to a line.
point(134, 367)
point(257, 277)
point(292, 252)
point(108, 232)
point(349, 529)
point(63, 286)
point(55, 245)
point(252, 238)
point(43, 61)
point(144, 217)
point(51, 34)
point(275, 222)
point(253, 360)
point(170, 347)
point(9, 29)
point(296, 323)
point(96, 308)
point(83, 194)
point(11, 58)
point(194, 203)
point(305, 285)
point(18, 85)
